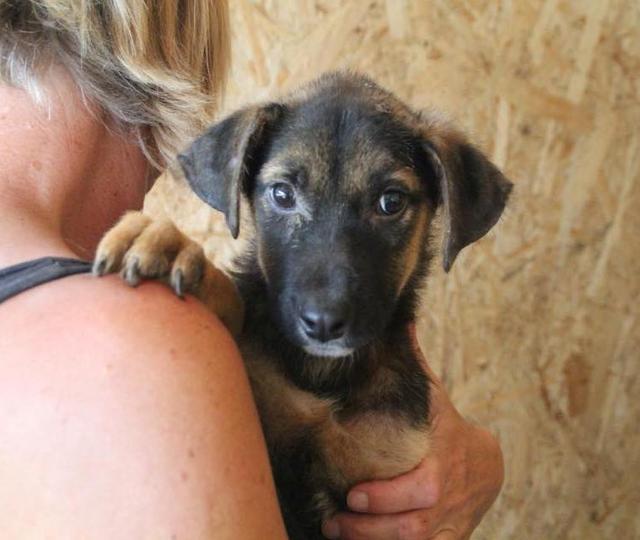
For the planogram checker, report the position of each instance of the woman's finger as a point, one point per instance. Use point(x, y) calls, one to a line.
point(417, 489)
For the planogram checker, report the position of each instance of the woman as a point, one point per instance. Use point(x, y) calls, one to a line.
point(128, 414)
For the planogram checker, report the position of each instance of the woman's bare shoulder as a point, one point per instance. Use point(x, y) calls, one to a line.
point(85, 310)
point(145, 394)
point(86, 330)
point(83, 328)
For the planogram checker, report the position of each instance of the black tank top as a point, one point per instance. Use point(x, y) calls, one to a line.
point(21, 277)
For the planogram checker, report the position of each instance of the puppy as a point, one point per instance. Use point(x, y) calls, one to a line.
point(339, 182)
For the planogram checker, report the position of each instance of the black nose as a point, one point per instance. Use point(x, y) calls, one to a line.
point(323, 324)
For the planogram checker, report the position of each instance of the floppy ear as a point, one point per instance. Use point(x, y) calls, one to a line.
point(219, 163)
point(473, 191)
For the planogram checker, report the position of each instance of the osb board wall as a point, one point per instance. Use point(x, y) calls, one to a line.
point(536, 331)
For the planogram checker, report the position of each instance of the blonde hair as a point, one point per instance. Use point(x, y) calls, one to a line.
point(158, 64)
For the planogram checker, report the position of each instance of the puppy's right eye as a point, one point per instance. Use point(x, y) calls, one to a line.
point(283, 195)
point(392, 202)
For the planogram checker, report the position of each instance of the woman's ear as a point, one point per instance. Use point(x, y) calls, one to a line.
point(473, 190)
point(218, 164)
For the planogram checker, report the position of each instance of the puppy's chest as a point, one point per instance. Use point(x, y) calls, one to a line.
point(364, 437)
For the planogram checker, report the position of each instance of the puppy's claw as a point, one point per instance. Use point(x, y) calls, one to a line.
point(132, 273)
point(99, 267)
point(177, 280)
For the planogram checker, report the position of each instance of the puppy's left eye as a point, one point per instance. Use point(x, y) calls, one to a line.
point(392, 202)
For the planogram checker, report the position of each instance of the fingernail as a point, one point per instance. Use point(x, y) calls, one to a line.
point(331, 529)
point(358, 501)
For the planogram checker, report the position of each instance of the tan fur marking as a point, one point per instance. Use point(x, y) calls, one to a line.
point(285, 409)
point(220, 295)
point(272, 171)
point(412, 252)
point(370, 446)
point(407, 177)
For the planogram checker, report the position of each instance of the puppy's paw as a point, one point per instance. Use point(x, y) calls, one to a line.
point(142, 248)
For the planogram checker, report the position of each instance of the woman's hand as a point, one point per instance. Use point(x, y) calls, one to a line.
point(444, 498)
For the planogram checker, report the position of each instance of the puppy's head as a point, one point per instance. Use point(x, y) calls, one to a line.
point(343, 181)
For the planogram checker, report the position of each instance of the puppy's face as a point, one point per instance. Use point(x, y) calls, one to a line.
point(343, 180)
point(342, 202)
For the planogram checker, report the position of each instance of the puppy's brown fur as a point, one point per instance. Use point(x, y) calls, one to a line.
point(331, 276)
